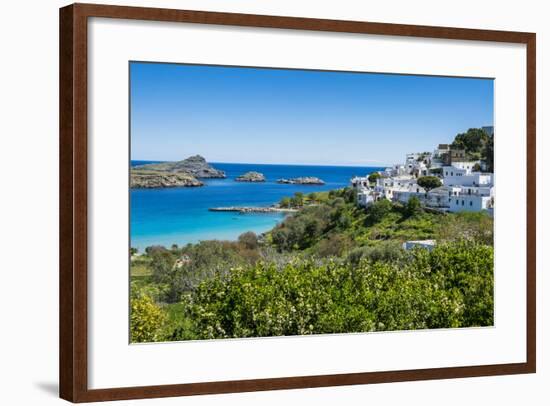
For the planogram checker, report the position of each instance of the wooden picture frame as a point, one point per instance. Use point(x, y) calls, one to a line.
point(74, 201)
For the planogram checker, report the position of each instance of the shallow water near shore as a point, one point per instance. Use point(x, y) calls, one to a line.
point(180, 215)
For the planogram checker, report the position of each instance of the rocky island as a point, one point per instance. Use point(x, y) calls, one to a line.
point(251, 176)
point(194, 165)
point(156, 179)
point(307, 180)
point(173, 174)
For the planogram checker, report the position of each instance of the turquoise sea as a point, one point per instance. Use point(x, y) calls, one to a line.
point(180, 215)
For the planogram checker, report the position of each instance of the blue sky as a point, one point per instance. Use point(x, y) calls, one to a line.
point(251, 115)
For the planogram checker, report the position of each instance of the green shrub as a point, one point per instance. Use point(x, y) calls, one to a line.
point(475, 226)
point(389, 251)
point(249, 240)
point(413, 206)
point(452, 286)
point(378, 210)
point(374, 176)
point(146, 319)
point(285, 202)
point(333, 246)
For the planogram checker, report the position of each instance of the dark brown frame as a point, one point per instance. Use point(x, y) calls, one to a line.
point(73, 202)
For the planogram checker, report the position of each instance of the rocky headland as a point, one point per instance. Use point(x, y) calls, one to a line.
point(156, 179)
point(307, 180)
point(173, 174)
point(251, 176)
point(194, 165)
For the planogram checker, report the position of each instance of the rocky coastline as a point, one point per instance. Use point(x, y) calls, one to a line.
point(142, 179)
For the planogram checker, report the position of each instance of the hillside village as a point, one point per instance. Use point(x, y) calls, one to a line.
point(448, 179)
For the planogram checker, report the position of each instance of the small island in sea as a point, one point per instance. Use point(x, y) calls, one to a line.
point(321, 202)
point(185, 173)
point(251, 176)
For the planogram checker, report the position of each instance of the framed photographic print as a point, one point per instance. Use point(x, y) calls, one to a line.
point(256, 202)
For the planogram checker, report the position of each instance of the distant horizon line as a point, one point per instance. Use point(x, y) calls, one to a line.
point(371, 165)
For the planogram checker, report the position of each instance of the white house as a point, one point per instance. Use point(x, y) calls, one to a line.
point(411, 161)
point(417, 163)
point(470, 203)
point(365, 197)
point(395, 170)
point(427, 244)
point(468, 165)
point(437, 198)
point(412, 157)
point(471, 191)
point(453, 176)
point(386, 187)
point(359, 182)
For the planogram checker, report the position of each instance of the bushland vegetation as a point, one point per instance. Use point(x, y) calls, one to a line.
point(330, 267)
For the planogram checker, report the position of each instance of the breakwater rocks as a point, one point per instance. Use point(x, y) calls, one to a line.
point(154, 179)
point(251, 177)
point(240, 209)
point(307, 180)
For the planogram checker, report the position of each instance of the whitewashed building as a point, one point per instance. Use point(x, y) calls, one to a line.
point(468, 165)
point(386, 187)
point(454, 176)
point(471, 190)
point(437, 198)
point(462, 190)
point(471, 198)
point(418, 164)
point(359, 182)
point(365, 197)
point(395, 170)
point(426, 244)
point(471, 203)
